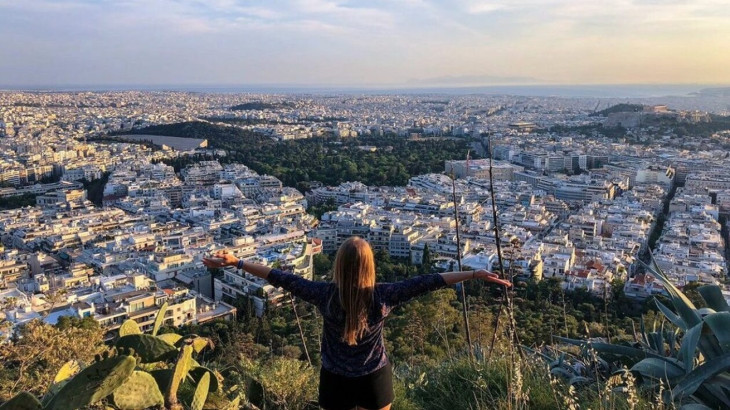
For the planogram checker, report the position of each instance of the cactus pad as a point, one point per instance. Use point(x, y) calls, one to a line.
point(200, 343)
point(171, 338)
point(162, 377)
point(201, 392)
point(180, 372)
point(129, 327)
point(197, 374)
point(150, 349)
point(68, 369)
point(22, 401)
point(234, 404)
point(93, 383)
point(159, 319)
point(140, 391)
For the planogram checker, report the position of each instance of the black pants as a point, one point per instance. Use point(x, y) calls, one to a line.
point(372, 391)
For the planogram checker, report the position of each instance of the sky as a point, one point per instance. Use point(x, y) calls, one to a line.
point(363, 42)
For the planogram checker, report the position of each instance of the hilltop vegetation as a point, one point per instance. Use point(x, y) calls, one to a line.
point(618, 108)
point(263, 358)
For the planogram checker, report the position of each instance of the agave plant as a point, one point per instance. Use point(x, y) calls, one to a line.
point(570, 368)
point(691, 358)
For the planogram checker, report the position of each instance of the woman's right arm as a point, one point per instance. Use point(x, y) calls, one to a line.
point(306, 289)
point(223, 259)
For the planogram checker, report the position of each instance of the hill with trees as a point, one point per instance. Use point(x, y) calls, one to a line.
point(618, 108)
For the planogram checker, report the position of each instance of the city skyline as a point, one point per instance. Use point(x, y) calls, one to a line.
point(413, 43)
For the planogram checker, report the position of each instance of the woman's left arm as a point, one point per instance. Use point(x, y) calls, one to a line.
point(455, 277)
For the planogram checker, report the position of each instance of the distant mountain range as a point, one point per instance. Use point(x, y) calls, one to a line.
point(472, 80)
point(715, 92)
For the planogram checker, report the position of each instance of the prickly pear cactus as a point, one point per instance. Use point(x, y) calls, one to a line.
point(53, 389)
point(171, 338)
point(140, 391)
point(197, 373)
point(234, 404)
point(159, 319)
point(150, 349)
point(162, 377)
point(200, 343)
point(129, 327)
point(68, 369)
point(179, 373)
point(22, 401)
point(93, 383)
point(201, 393)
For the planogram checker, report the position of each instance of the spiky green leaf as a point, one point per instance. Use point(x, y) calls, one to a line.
point(661, 369)
point(671, 316)
point(712, 294)
point(685, 308)
point(656, 342)
point(670, 337)
point(159, 319)
point(695, 406)
point(699, 375)
point(561, 372)
point(720, 325)
point(545, 357)
point(579, 380)
point(687, 351)
point(705, 312)
point(606, 348)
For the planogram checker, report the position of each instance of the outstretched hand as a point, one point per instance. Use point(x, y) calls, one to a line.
point(220, 259)
point(491, 277)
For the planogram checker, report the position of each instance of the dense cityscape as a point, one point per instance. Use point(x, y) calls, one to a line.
point(107, 216)
point(364, 205)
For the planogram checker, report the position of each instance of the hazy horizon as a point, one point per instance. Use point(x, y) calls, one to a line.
point(380, 43)
point(537, 90)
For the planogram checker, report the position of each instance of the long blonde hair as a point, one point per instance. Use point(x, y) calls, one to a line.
point(355, 278)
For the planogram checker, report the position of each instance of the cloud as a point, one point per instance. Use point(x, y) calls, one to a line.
point(374, 41)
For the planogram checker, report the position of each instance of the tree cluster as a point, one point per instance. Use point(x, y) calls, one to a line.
point(328, 160)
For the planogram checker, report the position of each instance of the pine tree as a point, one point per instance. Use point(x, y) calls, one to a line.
point(426, 259)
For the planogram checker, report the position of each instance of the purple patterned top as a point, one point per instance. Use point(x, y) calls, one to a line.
point(368, 355)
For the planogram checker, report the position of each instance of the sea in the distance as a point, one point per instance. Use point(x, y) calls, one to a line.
point(590, 91)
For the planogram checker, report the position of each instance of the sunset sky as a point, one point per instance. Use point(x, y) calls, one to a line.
point(364, 43)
